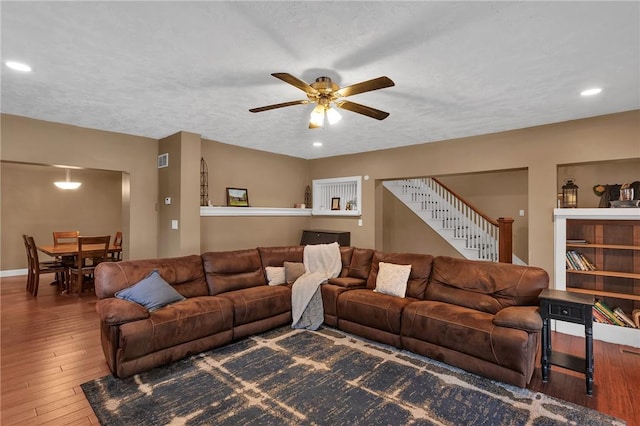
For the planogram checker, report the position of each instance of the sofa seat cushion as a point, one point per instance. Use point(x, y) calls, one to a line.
point(370, 309)
point(181, 322)
point(467, 331)
point(257, 303)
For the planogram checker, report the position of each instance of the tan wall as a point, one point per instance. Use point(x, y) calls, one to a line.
point(180, 181)
point(32, 205)
point(588, 175)
point(40, 142)
point(537, 149)
point(272, 180)
point(169, 186)
point(279, 181)
point(235, 233)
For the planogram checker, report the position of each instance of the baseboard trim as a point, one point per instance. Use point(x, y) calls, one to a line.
point(13, 272)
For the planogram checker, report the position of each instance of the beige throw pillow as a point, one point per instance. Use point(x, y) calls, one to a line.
point(275, 275)
point(392, 279)
point(292, 270)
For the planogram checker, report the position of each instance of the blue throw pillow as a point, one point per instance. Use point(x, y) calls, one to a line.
point(152, 292)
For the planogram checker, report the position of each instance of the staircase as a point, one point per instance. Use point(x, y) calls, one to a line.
point(468, 231)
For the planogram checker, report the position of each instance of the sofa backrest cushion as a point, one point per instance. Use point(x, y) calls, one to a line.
point(276, 256)
point(418, 278)
point(233, 270)
point(185, 274)
point(346, 254)
point(360, 265)
point(485, 286)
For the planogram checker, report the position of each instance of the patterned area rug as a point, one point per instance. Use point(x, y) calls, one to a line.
point(327, 377)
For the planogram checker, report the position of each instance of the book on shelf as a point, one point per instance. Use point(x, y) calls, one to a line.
point(606, 310)
point(579, 262)
point(620, 313)
point(576, 241)
point(600, 317)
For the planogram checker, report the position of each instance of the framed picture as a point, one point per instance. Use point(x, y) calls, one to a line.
point(237, 197)
point(335, 203)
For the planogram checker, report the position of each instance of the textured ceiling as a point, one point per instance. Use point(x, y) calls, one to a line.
point(460, 68)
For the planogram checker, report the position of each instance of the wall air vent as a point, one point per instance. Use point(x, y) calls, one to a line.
point(163, 160)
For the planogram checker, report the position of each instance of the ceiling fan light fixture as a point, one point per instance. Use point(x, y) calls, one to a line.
point(317, 117)
point(333, 116)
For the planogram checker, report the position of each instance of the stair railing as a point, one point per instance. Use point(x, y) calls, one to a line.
point(468, 222)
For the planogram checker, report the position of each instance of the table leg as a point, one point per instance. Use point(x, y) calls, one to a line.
point(588, 331)
point(546, 349)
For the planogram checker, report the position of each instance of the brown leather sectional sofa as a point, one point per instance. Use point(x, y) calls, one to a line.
point(478, 316)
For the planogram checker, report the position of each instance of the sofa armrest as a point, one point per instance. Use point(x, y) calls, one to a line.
point(348, 282)
point(525, 318)
point(114, 311)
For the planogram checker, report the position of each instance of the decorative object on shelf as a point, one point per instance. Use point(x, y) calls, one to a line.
point(624, 203)
point(299, 205)
point(599, 189)
point(237, 197)
point(204, 183)
point(569, 194)
point(335, 203)
point(307, 196)
point(617, 195)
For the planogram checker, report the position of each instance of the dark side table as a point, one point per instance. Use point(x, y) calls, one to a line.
point(570, 307)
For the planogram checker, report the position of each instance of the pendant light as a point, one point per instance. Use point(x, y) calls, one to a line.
point(67, 184)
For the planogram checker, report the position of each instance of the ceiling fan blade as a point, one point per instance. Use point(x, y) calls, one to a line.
point(295, 81)
point(282, 105)
point(366, 86)
point(362, 109)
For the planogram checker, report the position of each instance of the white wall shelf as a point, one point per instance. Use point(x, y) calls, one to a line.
point(253, 211)
point(347, 189)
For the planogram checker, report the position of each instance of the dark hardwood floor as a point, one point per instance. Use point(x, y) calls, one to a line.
point(51, 344)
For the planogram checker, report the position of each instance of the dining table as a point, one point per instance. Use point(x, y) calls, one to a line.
point(72, 249)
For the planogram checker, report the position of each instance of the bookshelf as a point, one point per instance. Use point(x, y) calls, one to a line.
point(610, 240)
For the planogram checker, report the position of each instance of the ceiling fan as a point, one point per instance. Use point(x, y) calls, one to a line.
point(325, 92)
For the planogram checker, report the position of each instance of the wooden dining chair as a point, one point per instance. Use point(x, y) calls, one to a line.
point(37, 268)
point(65, 237)
point(117, 242)
point(29, 286)
point(91, 252)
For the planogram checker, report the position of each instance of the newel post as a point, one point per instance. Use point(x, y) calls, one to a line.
point(505, 244)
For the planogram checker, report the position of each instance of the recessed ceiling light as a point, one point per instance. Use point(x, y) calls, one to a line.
point(591, 92)
point(317, 144)
point(18, 66)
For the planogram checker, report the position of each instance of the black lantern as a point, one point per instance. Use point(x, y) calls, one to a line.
point(569, 194)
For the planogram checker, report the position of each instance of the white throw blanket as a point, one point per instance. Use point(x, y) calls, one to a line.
point(321, 262)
